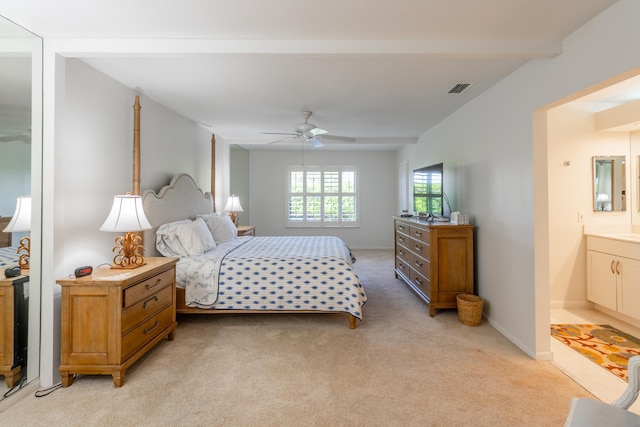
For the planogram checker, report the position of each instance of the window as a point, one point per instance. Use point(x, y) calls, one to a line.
point(322, 196)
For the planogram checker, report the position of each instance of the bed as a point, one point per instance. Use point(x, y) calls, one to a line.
point(246, 274)
point(8, 257)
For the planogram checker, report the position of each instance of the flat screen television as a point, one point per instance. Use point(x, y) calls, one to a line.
point(428, 190)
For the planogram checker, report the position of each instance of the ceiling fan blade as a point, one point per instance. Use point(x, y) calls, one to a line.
point(318, 131)
point(11, 138)
point(339, 138)
point(278, 133)
point(315, 142)
point(285, 139)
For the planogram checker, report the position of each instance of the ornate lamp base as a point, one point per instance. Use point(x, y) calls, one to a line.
point(234, 218)
point(25, 246)
point(127, 255)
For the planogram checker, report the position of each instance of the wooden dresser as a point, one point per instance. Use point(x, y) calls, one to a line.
point(113, 317)
point(14, 315)
point(435, 260)
point(5, 238)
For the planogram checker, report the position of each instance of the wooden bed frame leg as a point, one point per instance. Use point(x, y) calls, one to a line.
point(352, 322)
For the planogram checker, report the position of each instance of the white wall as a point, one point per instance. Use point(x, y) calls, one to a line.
point(268, 185)
point(489, 143)
point(15, 174)
point(572, 138)
point(239, 182)
point(93, 161)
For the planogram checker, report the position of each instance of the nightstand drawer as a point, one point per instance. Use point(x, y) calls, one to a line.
point(146, 331)
point(147, 307)
point(146, 288)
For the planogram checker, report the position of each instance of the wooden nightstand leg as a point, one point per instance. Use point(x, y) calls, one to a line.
point(12, 377)
point(118, 378)
point(432, 311)
point(66, 379)
point(171, 335)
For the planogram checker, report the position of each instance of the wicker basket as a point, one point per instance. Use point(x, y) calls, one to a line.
point(469, 309)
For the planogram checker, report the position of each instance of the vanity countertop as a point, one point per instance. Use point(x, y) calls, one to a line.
point(625, 237)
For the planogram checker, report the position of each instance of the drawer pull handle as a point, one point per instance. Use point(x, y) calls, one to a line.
point(618, 267)
point(146, 331)
point(418, 248)
point(400, 227)
point(418, 281)
point(401, 267)
point(418, 264)
point(613, 262)
point(153, 298)
point(149, 287)
point(418, 233)
point(401, 252)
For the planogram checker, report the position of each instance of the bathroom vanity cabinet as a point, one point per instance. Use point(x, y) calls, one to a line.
point(613, 273)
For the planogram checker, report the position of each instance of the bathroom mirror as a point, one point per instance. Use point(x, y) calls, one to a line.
point(609, 186)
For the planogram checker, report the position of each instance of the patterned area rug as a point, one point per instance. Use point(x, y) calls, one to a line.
point(602, 344)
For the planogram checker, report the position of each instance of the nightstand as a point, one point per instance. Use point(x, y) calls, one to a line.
point(246, 230)
point(14, 315)
point(113, 317)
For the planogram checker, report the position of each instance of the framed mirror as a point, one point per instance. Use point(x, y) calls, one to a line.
point(609, 184)
point(20, 174)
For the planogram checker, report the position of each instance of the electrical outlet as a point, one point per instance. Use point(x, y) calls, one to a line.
point(580, 217)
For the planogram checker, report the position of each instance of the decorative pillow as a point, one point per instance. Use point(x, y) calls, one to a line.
point(221, 227)
point(184, 238)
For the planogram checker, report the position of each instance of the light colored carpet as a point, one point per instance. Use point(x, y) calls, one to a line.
point(399, 367)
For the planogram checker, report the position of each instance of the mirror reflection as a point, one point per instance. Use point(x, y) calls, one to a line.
point(609, 184)
point(428, 190)
point(19, 311)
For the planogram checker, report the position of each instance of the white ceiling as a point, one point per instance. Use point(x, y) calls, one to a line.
point(375, 70)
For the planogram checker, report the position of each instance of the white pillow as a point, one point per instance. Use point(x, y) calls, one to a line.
point(221, 227)
point(184, 238)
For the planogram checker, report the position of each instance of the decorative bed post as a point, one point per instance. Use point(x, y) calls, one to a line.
point(213, 170)
point(136, 146)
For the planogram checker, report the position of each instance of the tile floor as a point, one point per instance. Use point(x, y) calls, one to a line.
point(602, 384)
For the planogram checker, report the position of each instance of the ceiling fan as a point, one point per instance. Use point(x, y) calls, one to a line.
point(16, 136)
point(310, 133)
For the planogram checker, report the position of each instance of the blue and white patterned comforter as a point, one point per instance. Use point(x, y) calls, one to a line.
point(293, 273)
point(8, 257)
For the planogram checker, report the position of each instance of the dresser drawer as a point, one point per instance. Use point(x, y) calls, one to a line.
point(421, 234)
point(402, 227)
point(421, 265)
point(403, 253)
point(420, 282)
point(146, 331)
point(147, 288)
point(146, 307)
point(403, 240)
point(403, 267)
point(419, 247)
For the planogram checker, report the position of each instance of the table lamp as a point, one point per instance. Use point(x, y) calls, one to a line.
point(127, 215)
point(21, 221)
point(233, 206)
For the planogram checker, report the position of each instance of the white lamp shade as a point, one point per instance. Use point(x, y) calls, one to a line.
point(603, 197)
point(126, 215)
point(233, 204)
point(21, 220)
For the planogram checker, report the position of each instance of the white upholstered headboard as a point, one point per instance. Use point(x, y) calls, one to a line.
point(180, 199)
